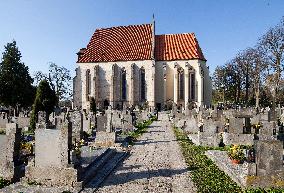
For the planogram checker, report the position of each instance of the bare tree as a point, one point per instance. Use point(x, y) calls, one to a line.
point(272, 44)
point(244, 69)
point(259, 66)
point(59, 79)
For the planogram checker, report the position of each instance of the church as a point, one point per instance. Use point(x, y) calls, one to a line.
point(130, 65)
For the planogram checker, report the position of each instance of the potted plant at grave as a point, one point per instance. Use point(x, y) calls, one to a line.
point(256, 127)
point(236, 154)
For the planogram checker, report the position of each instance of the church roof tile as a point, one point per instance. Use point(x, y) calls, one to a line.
point(177, 47)
point(134, 42)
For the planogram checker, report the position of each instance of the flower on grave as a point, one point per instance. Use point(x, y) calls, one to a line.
point(257, 126)
point(236, 152)
point(77, 151)
point(82, 142)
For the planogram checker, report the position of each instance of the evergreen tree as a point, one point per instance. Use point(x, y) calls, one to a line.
point(45, 101)
point(16, 88)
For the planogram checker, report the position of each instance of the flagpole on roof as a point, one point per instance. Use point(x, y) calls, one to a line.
point(153, 37)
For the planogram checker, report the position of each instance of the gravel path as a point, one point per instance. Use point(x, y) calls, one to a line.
point(155, 165)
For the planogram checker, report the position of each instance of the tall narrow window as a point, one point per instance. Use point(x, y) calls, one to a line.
point(88, 84)
point(123, 84)
point(192, 86)
point(181, 84)
point(142, 85)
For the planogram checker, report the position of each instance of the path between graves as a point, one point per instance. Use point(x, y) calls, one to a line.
point(155, 165)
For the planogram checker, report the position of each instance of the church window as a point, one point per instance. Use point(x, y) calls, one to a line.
point(181, 84)
point(123, 84)
point(88, 84)
point(192, 86)
point(142, 85)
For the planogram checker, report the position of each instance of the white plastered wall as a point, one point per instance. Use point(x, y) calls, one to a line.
point(197, 65)
point(105, 73)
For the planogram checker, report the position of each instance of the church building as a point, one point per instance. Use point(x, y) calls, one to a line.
point(130, 65)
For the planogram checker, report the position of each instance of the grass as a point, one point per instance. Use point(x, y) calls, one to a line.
point(141, 128)
point(2, 131)
point(3, 182)
point(206, 176)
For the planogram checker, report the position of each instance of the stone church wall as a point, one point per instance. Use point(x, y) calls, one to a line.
point(157, 76)
point(197, 65)
point(104, 81)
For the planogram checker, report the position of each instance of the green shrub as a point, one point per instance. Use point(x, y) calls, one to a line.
point(2, 131)
point(261, 190)
point(141, 128)
point(4, 183)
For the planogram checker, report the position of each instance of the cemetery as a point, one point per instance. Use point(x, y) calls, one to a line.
point(246, 145)
point(71, 150)
point(141, 109)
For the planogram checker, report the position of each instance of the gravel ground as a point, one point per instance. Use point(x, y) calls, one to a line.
point(155, 165)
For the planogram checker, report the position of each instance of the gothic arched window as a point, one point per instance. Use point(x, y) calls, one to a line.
point(142, 84)
point(192, 86)
point(123, 84)
point(181, 84)
point(88, 84)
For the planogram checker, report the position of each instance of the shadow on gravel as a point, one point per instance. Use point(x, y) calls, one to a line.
point(128, 176)
point(156, 131)
point(150, 142)
point(152, 126)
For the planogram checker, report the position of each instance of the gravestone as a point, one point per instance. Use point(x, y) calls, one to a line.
point(101, 123)
point(86, 123)
point(23, 122)
point(269, 157)
point(51, 166)
point(191, 125)
point(268, 128)
point(10, 152)
point(127, 122)
point(174, 109)
point(142, 116)
point(105, 139)
point(41, 117)
point(76, 119)
point(3, 121)
point(116, 120)
point(209, 126)
point(255, 119)
point(236, 125)
point(108, 114)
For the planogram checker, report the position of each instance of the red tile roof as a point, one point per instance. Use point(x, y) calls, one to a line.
point(124, 43)
point(177, 47)
point(134, 42)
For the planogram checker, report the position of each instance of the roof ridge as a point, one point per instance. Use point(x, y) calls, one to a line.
point(123, 26)
point(192, 33)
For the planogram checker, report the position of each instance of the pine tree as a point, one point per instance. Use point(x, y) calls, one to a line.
point(45, 100)
point(16, 88)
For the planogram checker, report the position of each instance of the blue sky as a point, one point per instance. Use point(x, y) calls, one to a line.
point(54, 30)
